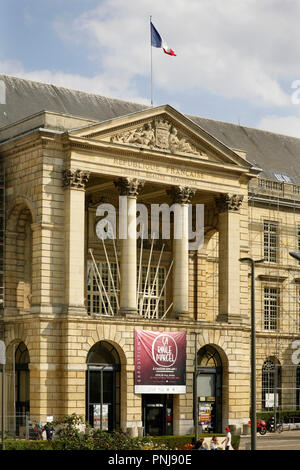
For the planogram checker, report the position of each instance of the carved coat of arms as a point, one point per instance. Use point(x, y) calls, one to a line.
point(162, 133)
point(159, 134)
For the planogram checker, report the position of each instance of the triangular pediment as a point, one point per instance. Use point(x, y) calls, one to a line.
point(163, 130)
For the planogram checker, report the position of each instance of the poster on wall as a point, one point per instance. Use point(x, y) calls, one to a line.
point(270, 400)
point(205, 415)
point(160, 360)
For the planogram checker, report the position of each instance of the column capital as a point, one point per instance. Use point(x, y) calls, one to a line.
point(75, 179)
point(129, 186)
point(229, 202)
point(181, 194)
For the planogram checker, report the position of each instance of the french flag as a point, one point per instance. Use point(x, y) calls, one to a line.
point(158, 41)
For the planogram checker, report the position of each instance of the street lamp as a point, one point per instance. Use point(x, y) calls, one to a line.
point(253, 352)
point(295, 255)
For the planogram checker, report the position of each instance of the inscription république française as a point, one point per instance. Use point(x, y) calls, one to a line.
point(156, 168)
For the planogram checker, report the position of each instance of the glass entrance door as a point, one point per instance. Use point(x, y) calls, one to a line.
point(101, 403)
point(102, 397)
point(103, 387)
point(209, 389)
point(158, 414)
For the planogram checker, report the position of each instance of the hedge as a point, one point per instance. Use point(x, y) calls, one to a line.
point(170, 442)
point(27, 445)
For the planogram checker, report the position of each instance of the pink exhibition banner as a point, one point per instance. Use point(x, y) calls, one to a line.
point(160, 361)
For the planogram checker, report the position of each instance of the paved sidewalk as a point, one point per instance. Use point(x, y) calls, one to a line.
point(287, 440)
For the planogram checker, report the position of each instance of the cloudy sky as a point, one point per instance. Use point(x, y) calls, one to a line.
point(237, 60)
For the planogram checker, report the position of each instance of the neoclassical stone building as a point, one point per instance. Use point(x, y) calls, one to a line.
point(72, 303)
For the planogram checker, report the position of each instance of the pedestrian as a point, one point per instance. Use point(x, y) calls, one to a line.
point(49, 431)
point(227, 440)
point(214, 443)
point(200, 445)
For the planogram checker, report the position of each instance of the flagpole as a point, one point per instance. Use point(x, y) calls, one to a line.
point(151, 63)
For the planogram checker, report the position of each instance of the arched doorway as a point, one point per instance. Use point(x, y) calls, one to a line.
point(103, 387)
point(22, 385)
point(209, 388)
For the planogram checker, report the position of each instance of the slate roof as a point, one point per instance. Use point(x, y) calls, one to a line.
point(274, 153)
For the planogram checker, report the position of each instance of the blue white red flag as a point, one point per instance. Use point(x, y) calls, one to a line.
point(158, 41)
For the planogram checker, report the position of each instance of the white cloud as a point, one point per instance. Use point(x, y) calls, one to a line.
point(233, 49)
point(288, 125)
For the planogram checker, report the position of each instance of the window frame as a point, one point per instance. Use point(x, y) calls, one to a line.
point(270, 247)
point(93, 298)
point(268, 321)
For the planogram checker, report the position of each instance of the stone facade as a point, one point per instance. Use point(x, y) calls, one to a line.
point(54, 182)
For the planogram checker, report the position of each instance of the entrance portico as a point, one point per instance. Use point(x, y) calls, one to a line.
point(143, 159)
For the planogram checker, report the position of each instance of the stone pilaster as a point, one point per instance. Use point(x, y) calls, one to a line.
point(74, 182)
point(228, 206)
point(181, 195)
point(129, 189)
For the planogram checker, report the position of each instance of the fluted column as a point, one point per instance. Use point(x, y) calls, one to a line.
point(181, 196)
point(228, 206)
point(129, 188)
point(74, 182)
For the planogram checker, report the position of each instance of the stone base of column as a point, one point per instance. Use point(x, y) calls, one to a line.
point(232, 319)
point(127, 313)
point(75, 311)
point(184, 316)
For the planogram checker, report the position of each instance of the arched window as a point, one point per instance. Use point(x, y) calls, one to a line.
point(208, 357)
point(103, 353)
point(271, 385)
point(103, 387)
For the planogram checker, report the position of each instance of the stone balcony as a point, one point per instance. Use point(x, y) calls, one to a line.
point(267, 190)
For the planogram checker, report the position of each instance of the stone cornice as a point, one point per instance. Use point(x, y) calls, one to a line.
point(270, 278)
point(34, 138)
point(273, 201)
point(190, 324)
point(47, 226)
